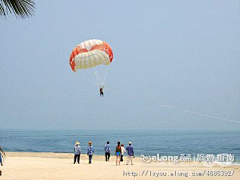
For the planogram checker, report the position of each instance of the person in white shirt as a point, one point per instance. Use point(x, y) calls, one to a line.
point(122, 152)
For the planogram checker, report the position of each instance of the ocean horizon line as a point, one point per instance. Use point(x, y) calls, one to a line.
point(100, 129)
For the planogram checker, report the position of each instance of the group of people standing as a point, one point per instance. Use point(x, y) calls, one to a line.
point(119, 152)
point(77, 152)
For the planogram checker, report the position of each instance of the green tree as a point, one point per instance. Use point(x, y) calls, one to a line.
point(21, 8)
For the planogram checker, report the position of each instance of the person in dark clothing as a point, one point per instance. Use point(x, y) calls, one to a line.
point(101, 91)
point(107, 151)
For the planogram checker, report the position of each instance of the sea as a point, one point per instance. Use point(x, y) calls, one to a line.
point(145, 141)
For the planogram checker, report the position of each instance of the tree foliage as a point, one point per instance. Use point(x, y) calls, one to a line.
point(21, 8)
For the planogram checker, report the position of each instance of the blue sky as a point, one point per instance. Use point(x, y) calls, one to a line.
point(184, 54)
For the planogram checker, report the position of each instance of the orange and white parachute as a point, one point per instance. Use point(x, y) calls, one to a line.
point(89, 54)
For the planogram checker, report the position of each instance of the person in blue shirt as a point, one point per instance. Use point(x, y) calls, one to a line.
point(2, 155)
point(107, 151)
point(90, 151)
point(130, 153)
point(77, 152)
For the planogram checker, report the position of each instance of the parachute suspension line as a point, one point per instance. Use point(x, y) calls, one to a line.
point(196, 113)
point(100, 80)
point(100, 83)
point(106, 75)
point(178, 109)
point(91, 81)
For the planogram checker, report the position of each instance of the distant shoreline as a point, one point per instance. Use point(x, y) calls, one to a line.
point(67, 155)
point(64, 155)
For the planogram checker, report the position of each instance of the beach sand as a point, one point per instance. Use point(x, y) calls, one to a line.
point(59, 166)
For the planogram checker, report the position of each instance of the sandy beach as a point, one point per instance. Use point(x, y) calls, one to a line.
point(59, 166)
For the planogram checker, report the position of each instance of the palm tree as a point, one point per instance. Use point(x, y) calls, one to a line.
point(21, 8)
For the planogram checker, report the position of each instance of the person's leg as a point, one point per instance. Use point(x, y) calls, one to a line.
point(121, 158)
point(131, 160)
point(78, 157)
point(75, 156)
point(106, 156)
point(90, 159)
point(128, 160)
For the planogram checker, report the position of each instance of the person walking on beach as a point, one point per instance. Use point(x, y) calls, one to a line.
point(77, 152)
point(123, 150)
point(118, 153)
point(2, 155)
point(130, 152)
point(90, 151)
point(107, 151)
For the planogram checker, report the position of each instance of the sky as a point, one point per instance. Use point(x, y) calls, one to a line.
point(183, 54)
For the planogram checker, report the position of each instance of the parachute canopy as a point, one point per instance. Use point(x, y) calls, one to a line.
point(89, 54)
